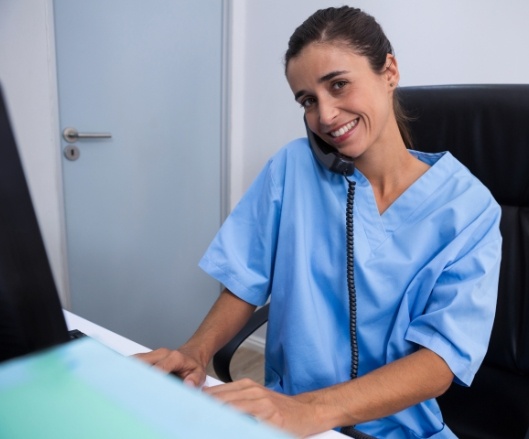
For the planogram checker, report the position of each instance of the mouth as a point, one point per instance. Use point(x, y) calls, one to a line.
point(345, 129)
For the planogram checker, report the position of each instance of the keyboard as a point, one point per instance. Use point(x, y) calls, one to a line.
point(75, 334)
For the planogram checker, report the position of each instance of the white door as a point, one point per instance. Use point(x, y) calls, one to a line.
point(141, 206)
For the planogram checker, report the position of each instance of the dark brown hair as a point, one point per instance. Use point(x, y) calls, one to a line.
point(359, 31)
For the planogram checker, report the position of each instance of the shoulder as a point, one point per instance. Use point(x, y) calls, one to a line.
point(455, 197)
point(453, 177)
point(294, 158)
point(293, 151)
point(282, 169)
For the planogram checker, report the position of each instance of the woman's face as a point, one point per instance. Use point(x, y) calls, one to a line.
point(346, 103)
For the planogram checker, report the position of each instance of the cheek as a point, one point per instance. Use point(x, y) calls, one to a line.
point(381, 105)
point(312, 120)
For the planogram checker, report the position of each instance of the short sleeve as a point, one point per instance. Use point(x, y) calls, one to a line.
point(459, 315)
point(241, 256)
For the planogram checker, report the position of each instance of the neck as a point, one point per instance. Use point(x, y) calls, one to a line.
point(391, 174)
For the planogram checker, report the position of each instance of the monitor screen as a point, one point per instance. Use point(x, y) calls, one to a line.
point(31, 316)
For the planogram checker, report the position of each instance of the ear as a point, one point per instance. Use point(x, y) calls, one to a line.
point(391, 72)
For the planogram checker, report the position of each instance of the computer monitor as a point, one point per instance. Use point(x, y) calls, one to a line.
point(31, 315)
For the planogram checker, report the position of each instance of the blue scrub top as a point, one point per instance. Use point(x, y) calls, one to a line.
point(426, 274)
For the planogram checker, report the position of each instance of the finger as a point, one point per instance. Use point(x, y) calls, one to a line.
point(269, 410)
point(174, 361)
point(237, 391)
point(233, 387)
point(260, 408)
point(164, 359)
point(152, 356)
point(194, 379)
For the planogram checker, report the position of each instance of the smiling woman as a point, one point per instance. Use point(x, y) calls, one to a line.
point(368, 270)
point(351, 106)
point(356, 34)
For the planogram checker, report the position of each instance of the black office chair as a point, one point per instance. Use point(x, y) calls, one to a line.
point(487, 128)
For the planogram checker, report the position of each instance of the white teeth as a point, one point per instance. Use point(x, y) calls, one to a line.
point(344, 129)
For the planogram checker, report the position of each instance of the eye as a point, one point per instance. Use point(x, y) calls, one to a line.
point(307, 102)
point(339, 84)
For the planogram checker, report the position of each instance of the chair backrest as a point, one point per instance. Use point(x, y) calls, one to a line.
point(487, 128)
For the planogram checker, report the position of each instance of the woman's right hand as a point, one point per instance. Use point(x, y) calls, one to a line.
point(178, 362)
point(227, 316)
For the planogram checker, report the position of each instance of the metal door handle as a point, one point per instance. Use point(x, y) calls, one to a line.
point(71, 135)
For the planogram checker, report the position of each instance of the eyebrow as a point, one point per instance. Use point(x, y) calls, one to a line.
point(324, 78)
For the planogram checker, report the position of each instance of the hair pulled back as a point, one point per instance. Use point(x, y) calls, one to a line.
point(359, 31)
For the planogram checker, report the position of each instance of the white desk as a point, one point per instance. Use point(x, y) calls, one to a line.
point(127, 347)
point(114, 341)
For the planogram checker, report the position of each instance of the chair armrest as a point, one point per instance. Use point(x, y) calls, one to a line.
point(222, 359)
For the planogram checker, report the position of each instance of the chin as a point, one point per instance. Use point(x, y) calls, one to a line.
point(351, 151)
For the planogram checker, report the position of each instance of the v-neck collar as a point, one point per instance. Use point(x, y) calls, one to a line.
point(378, 227)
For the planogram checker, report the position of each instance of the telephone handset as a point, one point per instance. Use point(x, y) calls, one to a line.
point(328, 156)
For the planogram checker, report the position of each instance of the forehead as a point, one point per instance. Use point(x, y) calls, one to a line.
point(317, 60)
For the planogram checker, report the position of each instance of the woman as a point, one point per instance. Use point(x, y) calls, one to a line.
point(369, 320)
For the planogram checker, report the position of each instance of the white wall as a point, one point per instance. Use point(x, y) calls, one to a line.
point(436, 42)
point(27, 75)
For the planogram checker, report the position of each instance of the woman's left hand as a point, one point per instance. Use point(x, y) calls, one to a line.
point(288, 413)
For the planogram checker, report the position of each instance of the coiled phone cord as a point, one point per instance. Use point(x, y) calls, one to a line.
point(349, 228)
point(351, 276)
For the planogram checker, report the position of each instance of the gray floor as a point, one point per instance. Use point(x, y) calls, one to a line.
point(246, 363)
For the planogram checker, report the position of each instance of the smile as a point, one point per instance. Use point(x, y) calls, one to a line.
point(344, 129)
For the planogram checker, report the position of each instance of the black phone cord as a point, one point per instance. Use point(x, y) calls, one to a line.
point(351, 276)
point(349, 228)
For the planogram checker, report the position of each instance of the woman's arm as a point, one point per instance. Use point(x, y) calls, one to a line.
point(226, 317)
point(403, 383)
point(420, 376)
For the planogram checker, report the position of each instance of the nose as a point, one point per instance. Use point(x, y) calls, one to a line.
point(327, 112)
